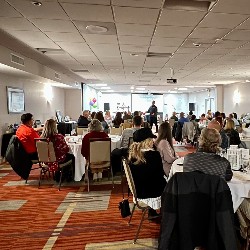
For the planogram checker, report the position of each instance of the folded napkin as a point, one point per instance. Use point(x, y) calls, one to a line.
point(242, 176)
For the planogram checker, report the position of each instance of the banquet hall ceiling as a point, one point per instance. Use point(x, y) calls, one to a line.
point(137, 43)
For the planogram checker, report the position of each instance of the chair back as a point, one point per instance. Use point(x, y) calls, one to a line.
point(116, 131)
point(129, 177)
point(127, 125)
point(81, 130)
point(201, 205)
point(46, 152)
point(99, 150)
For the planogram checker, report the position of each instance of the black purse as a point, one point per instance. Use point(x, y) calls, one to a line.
point(124, 208)
point(124, 205)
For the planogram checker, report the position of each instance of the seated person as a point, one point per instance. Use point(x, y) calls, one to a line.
point(27, 134)
point(127, 115)
point(147, 169)
point(206, 158)
point(234, 138)
point(99, 116)
point(60, 146)
point(83, 119)
point(96, 131)
point(118, 153)
point(128, 132)
point(231, 117)
point(118, 120)
point(182, 119)
point(203, 118)
point(164, 143)
point(224, 139)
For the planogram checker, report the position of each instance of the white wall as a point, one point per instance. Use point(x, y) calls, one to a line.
point(73, 103)
point(244, 105)
point(175, 102)
point(35, 101)
point(199, 99)
point(113, 99)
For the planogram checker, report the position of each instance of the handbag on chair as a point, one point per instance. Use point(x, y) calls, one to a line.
point(124, 206)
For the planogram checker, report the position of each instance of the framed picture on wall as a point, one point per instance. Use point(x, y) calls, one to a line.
point(15, 98)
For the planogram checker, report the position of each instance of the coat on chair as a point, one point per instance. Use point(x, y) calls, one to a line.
point(18, 158)
point(197, 211)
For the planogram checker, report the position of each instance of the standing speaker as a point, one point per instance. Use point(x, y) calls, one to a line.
point(191, 106)
point(106, 106)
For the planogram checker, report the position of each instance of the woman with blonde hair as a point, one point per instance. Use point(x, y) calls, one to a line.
point(60, 146)
point(164, 143)
point(207, 159)
point(234, 138)
point(147, 169)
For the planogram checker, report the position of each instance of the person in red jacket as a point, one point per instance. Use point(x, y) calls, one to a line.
point(26, 134)
point(95, 128)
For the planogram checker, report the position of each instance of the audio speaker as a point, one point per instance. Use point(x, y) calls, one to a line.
point(106, 106)
point(191, 106)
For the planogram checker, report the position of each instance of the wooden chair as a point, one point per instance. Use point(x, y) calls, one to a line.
point(144, 207)
point(46, 154)
point(127, 125)
point(244, 219)
point(116, 131)
point(99, 157)
point(81, 130)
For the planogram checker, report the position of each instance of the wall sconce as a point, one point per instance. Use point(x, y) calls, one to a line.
point(236, 96)
point(48, 93)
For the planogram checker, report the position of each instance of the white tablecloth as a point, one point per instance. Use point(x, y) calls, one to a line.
point(80, 161)
point(239, 189)
point(247, 141)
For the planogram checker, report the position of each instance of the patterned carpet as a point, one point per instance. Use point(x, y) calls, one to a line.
point(72, 218)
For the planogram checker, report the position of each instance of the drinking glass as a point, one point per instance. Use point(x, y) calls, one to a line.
point(245, 163)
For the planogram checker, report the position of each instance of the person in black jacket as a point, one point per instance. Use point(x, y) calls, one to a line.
point(83, 119)
point(153, 115)
point(147, 169)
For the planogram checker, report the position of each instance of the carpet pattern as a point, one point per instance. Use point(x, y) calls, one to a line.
point(72, 218)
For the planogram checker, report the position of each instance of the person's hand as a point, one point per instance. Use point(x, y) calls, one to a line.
point(38, 129)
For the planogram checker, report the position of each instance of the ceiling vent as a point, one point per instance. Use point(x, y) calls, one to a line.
point(49, 51)
point(197, 5)
point(149, 73)
point(158, 55)
point(57, 76)
point(17, 59)
point(80, 70)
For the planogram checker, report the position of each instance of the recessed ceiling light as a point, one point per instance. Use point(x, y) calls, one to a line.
point(182, 88)
point(96, 29)
point(132, 87)
point(247, 80)
point(101, 84)
point(36, 3)
point(197, 44)
point(134, 54)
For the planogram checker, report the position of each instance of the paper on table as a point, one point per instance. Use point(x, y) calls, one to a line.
point(241, 176)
